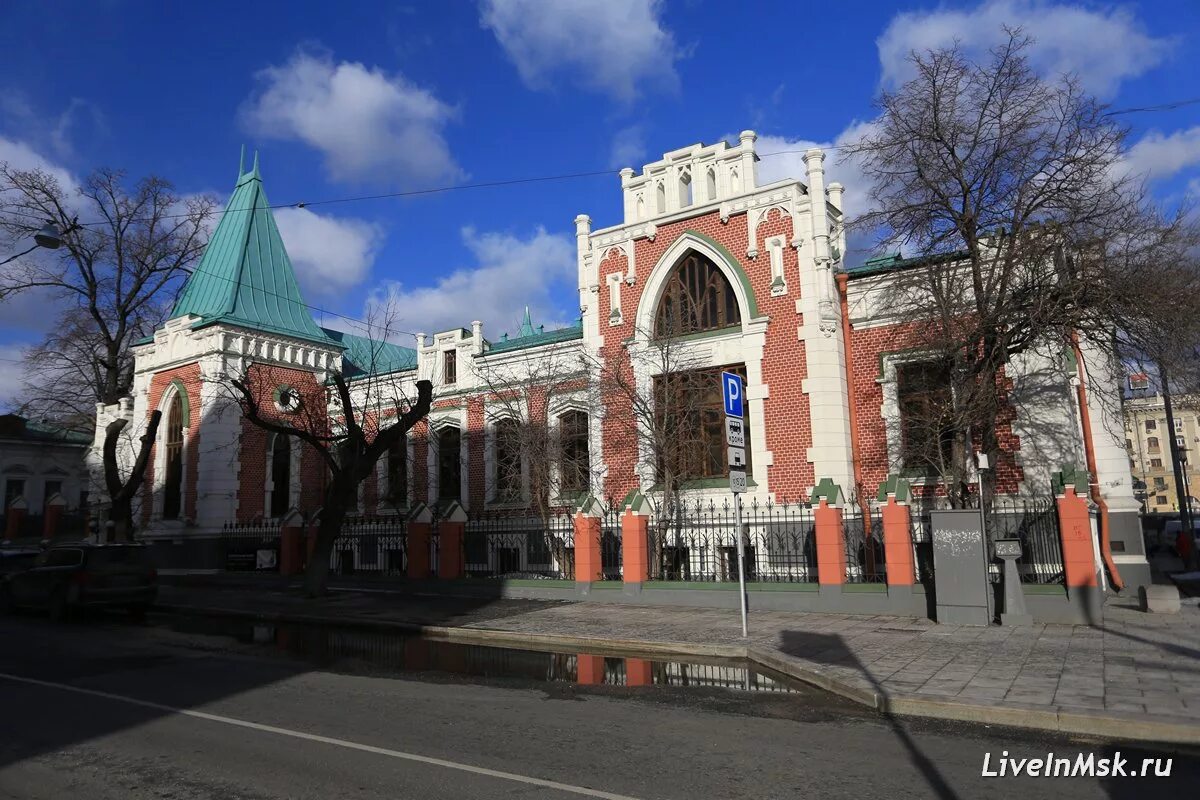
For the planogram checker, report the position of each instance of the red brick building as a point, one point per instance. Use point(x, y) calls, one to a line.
point(748, 277)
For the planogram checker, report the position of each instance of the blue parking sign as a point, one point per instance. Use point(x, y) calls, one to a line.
point(731, 390)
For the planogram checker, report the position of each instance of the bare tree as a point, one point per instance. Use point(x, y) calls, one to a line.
point(536, 435)
point(349, 425)
point(123, 489)
point(110, 280)
point(1030, 231)
point(657, 404)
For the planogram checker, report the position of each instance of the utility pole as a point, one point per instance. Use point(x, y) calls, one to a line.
point(1177, 465)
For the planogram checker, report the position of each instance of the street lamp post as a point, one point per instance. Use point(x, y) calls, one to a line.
point(49, 237)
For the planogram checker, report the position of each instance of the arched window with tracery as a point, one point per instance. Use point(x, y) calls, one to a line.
point(173, 461)
point(697, 297)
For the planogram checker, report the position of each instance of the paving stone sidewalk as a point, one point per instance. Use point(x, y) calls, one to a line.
point(1135, 666)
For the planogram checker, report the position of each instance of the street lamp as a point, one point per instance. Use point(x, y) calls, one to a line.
point(49, 237)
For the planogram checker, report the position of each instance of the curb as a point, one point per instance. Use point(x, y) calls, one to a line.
point(1123, 727)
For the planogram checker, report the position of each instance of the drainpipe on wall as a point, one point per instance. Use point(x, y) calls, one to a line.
point(1093, 483)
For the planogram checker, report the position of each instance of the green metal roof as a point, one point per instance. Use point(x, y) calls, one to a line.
point(365, 356)
point(13, 426)
point(245, 277)
point(894, 261)
point(528, 336)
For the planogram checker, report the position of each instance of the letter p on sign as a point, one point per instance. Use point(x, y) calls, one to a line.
point(731, 389)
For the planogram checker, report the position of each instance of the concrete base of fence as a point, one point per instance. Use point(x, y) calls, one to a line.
point(1048, 604)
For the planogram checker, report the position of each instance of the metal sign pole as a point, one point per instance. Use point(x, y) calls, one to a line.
point(741, 557)
point(733, 391)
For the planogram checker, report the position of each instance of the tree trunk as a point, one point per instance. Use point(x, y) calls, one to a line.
point(333, 515)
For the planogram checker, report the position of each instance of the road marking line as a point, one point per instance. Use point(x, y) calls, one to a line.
point(312, 737)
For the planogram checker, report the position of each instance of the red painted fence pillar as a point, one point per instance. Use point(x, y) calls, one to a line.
point(589, 670)
point(588, 566)
point(452, 528)
point(418, 542)
point(56, 506)
point(831, 544)
point(292, 544)
point(898, 543)
point(14, 515)
point(638, 672)
point(635, 527)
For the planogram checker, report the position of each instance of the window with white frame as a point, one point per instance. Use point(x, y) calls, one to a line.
point(508, 469)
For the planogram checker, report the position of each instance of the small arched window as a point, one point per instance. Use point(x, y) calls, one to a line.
point(685, 190)
point(661, 195)
point(697, 297)
point(1152, 444)
point(281, 475)
point(711, 184)
point(641, 208)
point(173, 444)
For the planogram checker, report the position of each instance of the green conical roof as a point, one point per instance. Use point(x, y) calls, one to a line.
point(245, 277)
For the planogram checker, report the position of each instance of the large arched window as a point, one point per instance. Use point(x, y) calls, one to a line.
point(697, 297)
point(173, 461)
point(449, 463)
point(281, 475)
point(508, 475)
point(574, 466)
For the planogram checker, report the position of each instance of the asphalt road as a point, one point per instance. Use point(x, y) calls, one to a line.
point(105, 709)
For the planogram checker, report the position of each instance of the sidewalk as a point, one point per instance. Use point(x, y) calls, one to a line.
point(1136, 677)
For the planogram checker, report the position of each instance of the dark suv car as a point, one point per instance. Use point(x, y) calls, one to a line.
point(67, 577)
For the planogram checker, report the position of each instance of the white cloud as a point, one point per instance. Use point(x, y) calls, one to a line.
point(616, 47)
point(1103, 45)
point(628, 148)
point(1158, 156)
point(510, 273)
point(330, 254)
point(783, 157)
point(19, 155)
point(369, 125)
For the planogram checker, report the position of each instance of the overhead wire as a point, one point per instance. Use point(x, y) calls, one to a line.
point(301, 204)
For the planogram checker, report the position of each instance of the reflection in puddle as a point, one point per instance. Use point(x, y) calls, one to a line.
point(331, 648)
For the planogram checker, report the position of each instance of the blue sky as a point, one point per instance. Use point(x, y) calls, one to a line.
point(362, 98)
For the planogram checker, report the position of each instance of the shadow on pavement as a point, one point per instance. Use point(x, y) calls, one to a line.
point(831, 650)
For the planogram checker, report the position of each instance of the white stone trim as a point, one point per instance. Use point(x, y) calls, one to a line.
point(744, 345)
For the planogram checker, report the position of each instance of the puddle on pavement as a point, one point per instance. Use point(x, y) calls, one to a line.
point(339, 649)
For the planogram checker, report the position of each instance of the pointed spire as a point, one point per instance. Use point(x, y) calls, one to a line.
point(242, 163)
point(255, 170)
point(526, 324)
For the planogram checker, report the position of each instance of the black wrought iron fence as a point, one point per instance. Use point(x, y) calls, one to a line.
point(371, 544)
point(610, 542)
point(1033, 521)
point(699, 543)
point(863, 529)
point(520, 546)
point(250, 546)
